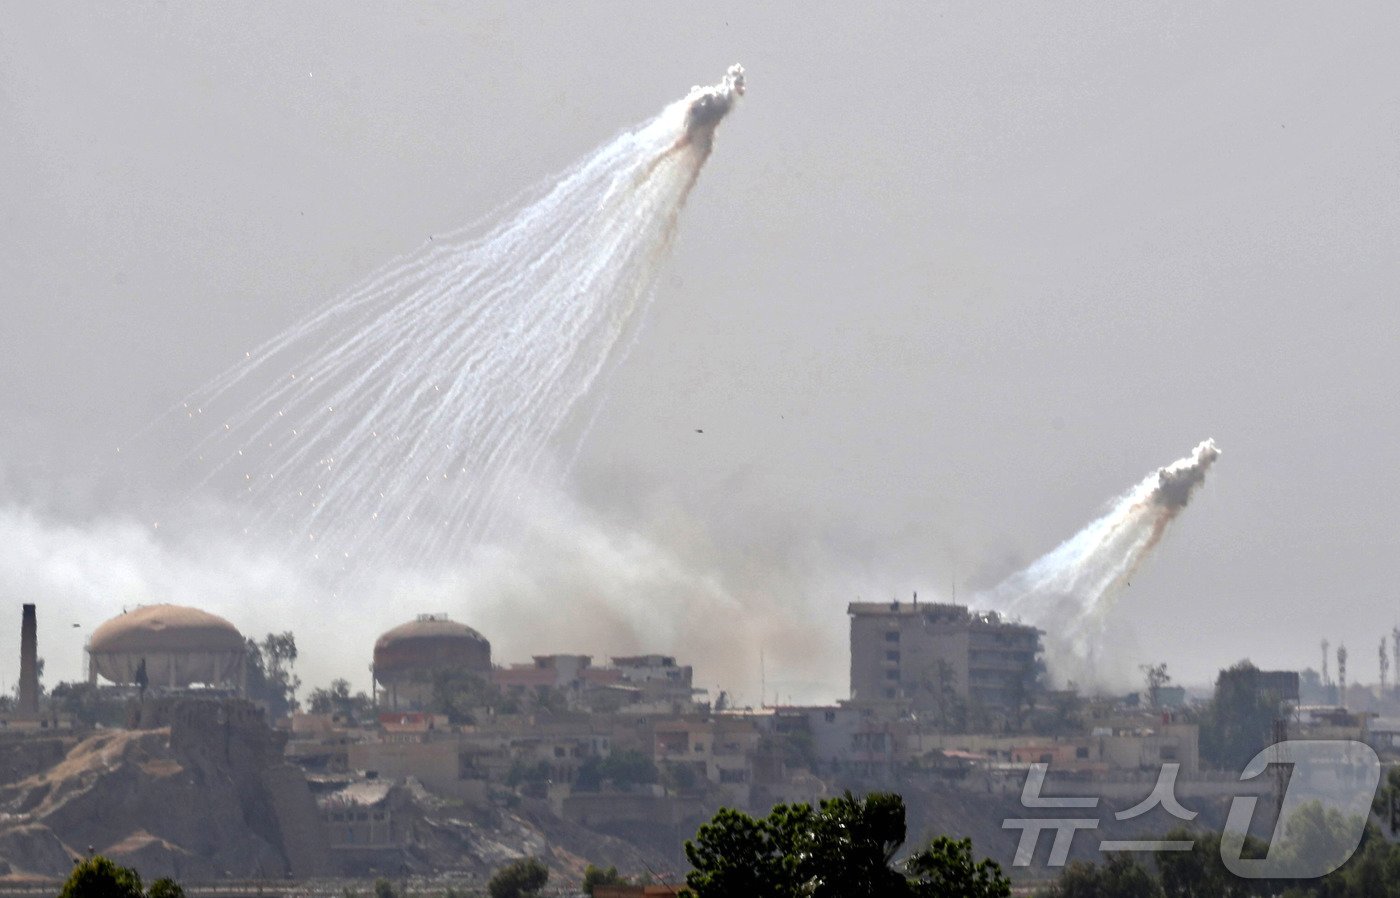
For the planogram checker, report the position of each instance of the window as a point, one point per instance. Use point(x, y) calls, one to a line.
point(830, 716)
point(892, 675)
point(1082, 752)
point(892, 636)
point(559, 751)
point(889, 693)
point(892, 656)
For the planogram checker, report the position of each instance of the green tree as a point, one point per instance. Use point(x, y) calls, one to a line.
point(738, 856)
point(143, 681)
point(679, 777)
point(1386, 805)
point(280, 655)
point(597, 876)
point(1200, 873)
point(848, 845)
point(165, 888)
point(843, 849)
point(338, 700)
point(1120, 877)
point(624, 769)
point(1316, 837)
point(98, 877)
point(519, 879)
point(523, 772)
point(945, 868)
point(460, 694)
point(1157, 677)
point(1239, 721)
point(268, 671)
point(86, 704)
point(1373, 873)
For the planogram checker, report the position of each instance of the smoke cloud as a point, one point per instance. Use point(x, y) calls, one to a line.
point(1071, 591)
point(393, 426)
point(572, 580)
point(403, 449)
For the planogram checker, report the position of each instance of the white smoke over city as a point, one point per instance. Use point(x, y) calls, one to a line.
point(412, 441)
point(399, 423)
point(1070, 592)
point(572, 580)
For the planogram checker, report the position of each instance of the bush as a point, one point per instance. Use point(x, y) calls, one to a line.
point(383, 888)
point(165, 888)
point(625, 769)
point(597, 876)
point(1121, 876)
point(97, 877)
point(519, 879)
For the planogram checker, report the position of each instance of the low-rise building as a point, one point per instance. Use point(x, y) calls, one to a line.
point(719, 749)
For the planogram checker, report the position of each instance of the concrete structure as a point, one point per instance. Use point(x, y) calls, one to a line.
point(658, 675)
point(718, 749)
point(653, 684)
point(1383, 734)
point(1283, 683)
point(357, 817)
point(408, 657)
point(926, 658)
point(178, 647)
point(29, 663)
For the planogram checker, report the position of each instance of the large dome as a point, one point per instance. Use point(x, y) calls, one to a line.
point(432, 642)
point(179, 646)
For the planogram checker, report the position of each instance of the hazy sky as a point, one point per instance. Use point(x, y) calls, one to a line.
point(955, 277)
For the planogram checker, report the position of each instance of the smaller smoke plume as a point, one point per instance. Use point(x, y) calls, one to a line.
point(707, 106)
point(1178, 481)
point(1070, 591)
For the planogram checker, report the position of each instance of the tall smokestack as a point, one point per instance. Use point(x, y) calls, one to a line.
point(29, 663)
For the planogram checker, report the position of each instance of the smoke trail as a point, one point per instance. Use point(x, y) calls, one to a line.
point(392, 424)
point(1070, 591)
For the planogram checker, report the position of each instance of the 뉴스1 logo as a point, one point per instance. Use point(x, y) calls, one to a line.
point(1335, 779)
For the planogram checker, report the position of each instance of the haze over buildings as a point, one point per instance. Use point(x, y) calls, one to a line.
point(928, 313)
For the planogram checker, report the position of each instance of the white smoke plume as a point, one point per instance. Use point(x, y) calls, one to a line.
point(1071, 591)
point(574, 581)
point(398, 424)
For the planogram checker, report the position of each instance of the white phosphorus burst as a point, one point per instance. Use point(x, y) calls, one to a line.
point(1070, 590)
point(390, 424)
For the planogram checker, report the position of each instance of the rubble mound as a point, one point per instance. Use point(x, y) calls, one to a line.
point(207, 797)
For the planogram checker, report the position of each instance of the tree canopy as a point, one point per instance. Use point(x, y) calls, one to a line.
point(99, 877)
point(843, 849)
point(519, 879)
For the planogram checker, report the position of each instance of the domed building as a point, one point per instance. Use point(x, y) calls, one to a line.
point(407, 657)
point(180, 647)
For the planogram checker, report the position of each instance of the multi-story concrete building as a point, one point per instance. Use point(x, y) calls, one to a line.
point(936, 659)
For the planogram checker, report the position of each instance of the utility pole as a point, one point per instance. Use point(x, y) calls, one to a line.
point(1385, 666)
point(1395, 645)
point(1281, 769)
point(1342, 675)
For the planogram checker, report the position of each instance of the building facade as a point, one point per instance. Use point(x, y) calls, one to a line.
point(939, 660)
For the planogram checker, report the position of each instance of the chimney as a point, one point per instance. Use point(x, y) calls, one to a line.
point(29, 663)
